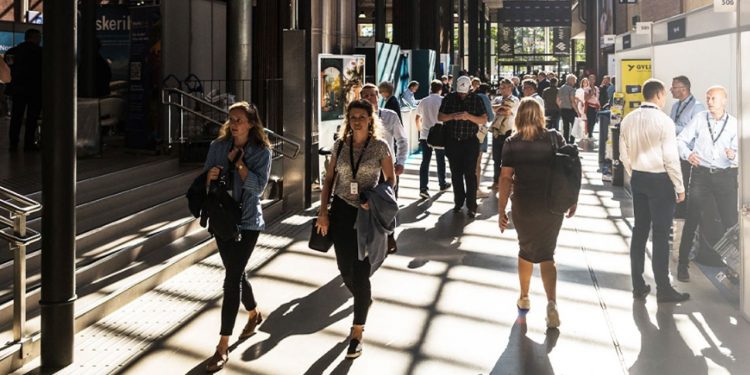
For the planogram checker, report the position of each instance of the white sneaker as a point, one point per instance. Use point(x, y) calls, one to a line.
point(553, 317)
point(482, 194)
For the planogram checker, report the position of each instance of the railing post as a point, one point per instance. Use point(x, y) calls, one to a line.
point(182, 118)
point(19, 283)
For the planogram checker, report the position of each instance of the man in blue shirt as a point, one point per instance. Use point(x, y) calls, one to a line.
point(709, 143)
point(686, 107)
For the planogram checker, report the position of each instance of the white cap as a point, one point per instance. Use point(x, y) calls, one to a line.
point(463, 84)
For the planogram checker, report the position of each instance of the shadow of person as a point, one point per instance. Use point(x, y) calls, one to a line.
point(525, 356)
point(325, 361)
point(663, 350)
point(416, 211)
point(301, 316)
point(437, 243)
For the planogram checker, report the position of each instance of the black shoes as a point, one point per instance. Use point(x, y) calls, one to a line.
point(642, 292)
point(671, 295)
point(682, 273)
point(424, 194)
point(457, 209)
point(471, 213)
point(445, 187)
point(354, 350)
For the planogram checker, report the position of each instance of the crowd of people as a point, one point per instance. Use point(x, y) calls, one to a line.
point(661, 152)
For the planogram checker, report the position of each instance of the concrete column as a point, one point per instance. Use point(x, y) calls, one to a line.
point(347, 25)
point(329, 24)
point(482, 39)
point(20, 8)
point(473, 36)
point(380, 16)
point(593, 46)
point(58, 185)
point(461, 36)
point(239, 48)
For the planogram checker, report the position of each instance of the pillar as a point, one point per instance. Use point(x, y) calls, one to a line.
point(58, 185)
point(473, 11)
point(239, 48)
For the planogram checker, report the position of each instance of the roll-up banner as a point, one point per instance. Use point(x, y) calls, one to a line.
point(634, 73)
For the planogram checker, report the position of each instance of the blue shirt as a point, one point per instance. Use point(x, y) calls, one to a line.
point(409, 98)
point(710, 145)
point(684, 110)
point(487, 107)
point(258, 162)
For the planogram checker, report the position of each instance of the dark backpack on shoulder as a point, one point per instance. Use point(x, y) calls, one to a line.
point(564, 183)
point(436, 136)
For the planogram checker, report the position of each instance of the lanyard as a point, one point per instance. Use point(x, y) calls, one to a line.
point(646, 106)
point(355, 167)
point(711, 131)
point(681, 108)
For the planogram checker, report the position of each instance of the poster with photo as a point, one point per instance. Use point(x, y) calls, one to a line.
point(336, 75)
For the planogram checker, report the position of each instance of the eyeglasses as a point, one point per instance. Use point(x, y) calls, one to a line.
point(677, 87)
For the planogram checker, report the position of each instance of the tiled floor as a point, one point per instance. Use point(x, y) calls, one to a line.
point(445, 304)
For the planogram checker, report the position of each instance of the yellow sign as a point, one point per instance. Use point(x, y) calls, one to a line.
point(634, 74)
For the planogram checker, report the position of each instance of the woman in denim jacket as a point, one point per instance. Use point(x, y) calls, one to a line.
point(244, 152)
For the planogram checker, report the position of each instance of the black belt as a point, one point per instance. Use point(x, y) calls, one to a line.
point(713, 170)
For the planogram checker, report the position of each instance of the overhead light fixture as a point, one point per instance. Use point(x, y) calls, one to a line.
point(455, 14)
point(362, 14)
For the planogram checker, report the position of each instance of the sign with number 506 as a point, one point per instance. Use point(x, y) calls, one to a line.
point(725, 5)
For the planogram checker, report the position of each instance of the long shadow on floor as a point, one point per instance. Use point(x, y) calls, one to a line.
point(303, 316)
point(663, 349)
point(525, 356)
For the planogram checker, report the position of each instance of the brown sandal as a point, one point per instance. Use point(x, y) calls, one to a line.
point(249, 329)
point(217, 361)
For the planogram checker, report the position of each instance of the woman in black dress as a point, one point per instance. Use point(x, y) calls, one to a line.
point(527, 155)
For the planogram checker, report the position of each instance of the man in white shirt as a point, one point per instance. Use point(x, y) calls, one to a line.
point(686, 107)
point(648, 151)
point(394, 134)
point(709, 143)
point(530, 90)
point(427, 113)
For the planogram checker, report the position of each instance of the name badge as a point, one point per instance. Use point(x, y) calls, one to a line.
point(354, 188)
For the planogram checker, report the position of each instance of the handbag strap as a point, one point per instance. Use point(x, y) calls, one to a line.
point(335, 174)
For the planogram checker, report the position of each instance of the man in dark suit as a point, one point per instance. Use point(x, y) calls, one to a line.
point(25, 61)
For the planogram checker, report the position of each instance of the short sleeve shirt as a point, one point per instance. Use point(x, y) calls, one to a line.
point(368, 173)
point(530, 161)
point(452, 103)
point(564, 93)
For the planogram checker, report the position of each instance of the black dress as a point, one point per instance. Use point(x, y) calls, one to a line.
point(536, 226)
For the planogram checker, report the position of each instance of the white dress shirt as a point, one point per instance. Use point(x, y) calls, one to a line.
point(710, 143)
point(428, 109)
point(394, 133)
point(648, 144)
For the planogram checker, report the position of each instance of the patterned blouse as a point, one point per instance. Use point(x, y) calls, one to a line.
point(368, 173)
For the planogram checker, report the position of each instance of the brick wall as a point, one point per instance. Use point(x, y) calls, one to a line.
point(656, 10)
point(695, 4)
point(6, 10)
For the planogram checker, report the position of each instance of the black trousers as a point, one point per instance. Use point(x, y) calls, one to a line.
point(462, 156)
point(653, 206)
point(497, 156)
point(568, 117)
point(234, 256)
point(705, 186)
point(681, 211)
point(354, 272)
point(553, 118)
point(32, 107)
point(591, 113)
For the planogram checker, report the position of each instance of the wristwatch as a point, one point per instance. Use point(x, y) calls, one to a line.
point(240, 167)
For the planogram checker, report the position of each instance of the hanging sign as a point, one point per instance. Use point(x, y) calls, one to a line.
point(722, 6)
point(505, 42)
point(643, 28)
point(561, 41)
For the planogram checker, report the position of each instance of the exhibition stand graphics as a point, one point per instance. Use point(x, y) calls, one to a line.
point(634, 74)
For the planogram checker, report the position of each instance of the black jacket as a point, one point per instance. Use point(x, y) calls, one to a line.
point(25, 61)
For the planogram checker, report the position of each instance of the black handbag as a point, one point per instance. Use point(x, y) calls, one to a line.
point(223, 212)
point(436, 136)
point(319, 242)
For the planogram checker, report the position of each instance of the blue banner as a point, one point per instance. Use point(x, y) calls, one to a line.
point(113, 30)
point(8, 40)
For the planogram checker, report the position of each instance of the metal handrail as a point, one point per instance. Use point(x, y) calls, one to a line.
point(166, 99)
point(15, 209)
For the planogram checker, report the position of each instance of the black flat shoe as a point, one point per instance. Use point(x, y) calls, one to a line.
point(355, 349)
point(683, 274)
point(249, 329)
point(671, 295)
point(641, 293)
point(217, 362)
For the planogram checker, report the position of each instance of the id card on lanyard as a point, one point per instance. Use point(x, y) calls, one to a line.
point(354, 186)
point(716, 154)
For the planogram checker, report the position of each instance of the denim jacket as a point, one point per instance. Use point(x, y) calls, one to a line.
point(258, 162)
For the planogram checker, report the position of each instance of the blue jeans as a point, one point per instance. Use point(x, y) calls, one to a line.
point(653, 207)
point(424, 169)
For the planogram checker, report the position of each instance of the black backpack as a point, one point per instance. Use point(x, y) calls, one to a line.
point(436, 136)
point(564, 183)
